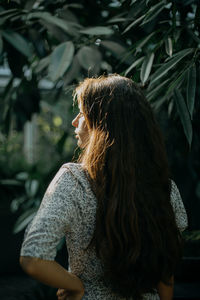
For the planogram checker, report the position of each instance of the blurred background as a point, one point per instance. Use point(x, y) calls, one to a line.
point(46, 48)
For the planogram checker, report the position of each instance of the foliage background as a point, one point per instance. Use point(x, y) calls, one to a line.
point(47, 47)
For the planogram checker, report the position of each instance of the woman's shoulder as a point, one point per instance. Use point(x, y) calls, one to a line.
point(74, 168)
point(77, 171)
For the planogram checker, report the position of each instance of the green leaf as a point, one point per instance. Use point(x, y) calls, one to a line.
point(170, 64)
point(117, 19)
point(146, 67)
point(142, 42)
point(8, 12)
point(177, 81)
point(114, 47)
point(98, 30)
point(24, 220)
point(31, 187)
point(6, 96)
point(153, 93)
point(154, 11)
point(135, 22)
point(88, 57)
point(169, 46)
point(134, 64)
point(118, 51)
point(74, 5)
point(184, 115)
point(191, 89)
point(68, 27)
point(191, 235)
point(1, 44)
point(11, 16)
point(175, 84)
point(60, 60)
point(22, 176)
point(194, 35)
point(14, 206)
point(43, 63)
point(73, 72)
point(18, 41)
point(10, 182)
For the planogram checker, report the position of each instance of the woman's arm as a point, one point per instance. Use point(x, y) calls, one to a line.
point(53, 274)
point(165, 292)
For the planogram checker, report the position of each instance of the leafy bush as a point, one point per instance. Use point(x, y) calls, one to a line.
point(49, 46)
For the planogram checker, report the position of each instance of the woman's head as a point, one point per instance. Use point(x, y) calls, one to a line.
point(115, 111)
point(109, 103)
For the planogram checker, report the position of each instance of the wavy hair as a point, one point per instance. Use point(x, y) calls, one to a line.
point(135, 236)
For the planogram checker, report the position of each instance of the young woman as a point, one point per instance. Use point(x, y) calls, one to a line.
point(118, 209)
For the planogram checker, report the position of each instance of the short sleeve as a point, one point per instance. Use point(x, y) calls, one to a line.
point(53, 219)
point(178, 207)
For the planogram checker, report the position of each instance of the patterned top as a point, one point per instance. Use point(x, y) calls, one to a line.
point(69, 209)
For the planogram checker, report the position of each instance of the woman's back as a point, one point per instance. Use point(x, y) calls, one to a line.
point(69, 208)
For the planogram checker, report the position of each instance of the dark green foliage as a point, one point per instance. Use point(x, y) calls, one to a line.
point(156, 43)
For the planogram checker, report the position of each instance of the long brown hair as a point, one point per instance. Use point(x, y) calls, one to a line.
point(135, 236)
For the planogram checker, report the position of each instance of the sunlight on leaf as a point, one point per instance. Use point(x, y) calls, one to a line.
point(146, 67)
point(57, 121)
point(169, 46)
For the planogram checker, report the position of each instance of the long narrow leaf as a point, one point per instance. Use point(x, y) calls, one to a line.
point(43, 63)
point(17, 41)
point(154, 11)
point(194, 35)
point(60, 60)
point(169, 46)
point(10, 182)
point(135, 22)
point(191, 89)
point(68, 27)
point(184, 115)
point(155, 7)
point(132, 2)
point(8, 12)
point(146, 67)
point(97, 30)
point(169, 91)
point(170, 64)
point(153, 93)
point(11, 16)
point(137, 62)
point(143, 42)
point(177, 82)
point(24, 220)
point(118, 18)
